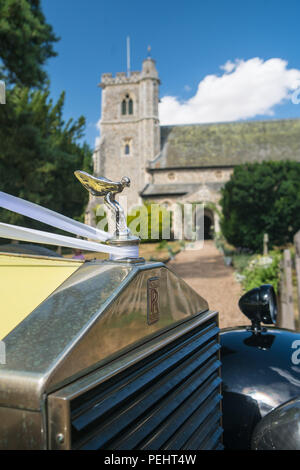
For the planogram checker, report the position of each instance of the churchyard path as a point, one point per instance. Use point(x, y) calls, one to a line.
point(204, 270)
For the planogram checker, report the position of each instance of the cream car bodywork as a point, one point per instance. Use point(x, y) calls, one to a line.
point(27, 280)
point(95, 325)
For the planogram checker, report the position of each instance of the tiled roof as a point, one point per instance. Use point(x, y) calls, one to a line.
point(228, 144)
point(179, 189)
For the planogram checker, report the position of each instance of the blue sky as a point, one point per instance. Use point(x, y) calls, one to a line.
point(255, 42)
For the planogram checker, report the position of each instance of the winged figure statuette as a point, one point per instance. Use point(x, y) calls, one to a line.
point(100, 186)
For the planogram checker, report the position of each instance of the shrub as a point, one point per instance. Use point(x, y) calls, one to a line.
point(262, 270)
point(224, 246)
point(150, 222)
point(241, 261)
point(262, 198)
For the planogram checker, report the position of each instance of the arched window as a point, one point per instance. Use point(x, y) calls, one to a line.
point(126, 147)
point(130, 106)
point(127, 105)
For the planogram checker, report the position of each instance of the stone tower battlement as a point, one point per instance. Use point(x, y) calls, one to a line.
point(121, 77)
point(148, 72)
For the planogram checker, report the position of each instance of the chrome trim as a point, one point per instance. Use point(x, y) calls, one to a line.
point(59, 432)
point(98, 312)
point(21, 430)
point(130, 358)
point(59, 402)
point(130, 260)
point(124, 322)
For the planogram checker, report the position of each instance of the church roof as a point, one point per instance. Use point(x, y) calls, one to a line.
point(177, 189)
point(168, 189)
point(227, 144)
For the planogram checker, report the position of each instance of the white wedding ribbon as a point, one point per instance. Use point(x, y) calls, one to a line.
point(49, 217)
point(37, 236)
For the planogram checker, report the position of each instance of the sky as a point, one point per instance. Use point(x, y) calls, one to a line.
point(218, 61)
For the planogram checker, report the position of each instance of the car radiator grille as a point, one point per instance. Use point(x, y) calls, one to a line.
point(170, 400)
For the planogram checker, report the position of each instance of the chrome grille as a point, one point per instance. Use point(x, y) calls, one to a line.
point(169, 400)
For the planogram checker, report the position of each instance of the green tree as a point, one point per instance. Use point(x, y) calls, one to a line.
point(39, 153)
point(151, 222)
point(38, 150)
point(259, 198)
point(26, 42)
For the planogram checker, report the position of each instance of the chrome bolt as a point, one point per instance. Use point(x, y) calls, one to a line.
point(60, 438)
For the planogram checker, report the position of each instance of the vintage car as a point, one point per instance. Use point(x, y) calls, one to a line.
point(123, 354)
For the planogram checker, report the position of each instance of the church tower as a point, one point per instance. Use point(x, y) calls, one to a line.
point(129, 127)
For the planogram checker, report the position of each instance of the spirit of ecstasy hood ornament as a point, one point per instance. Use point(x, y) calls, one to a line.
point(100, 186)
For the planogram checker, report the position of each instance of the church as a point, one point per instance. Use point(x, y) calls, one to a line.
point(182, 163)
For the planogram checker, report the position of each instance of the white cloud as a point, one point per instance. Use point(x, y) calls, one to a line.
point(244, 90)
point(229, 66)
point(97, 139)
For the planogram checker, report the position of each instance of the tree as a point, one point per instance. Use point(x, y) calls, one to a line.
point(262, 198)
point(25, 42)
point(39, 153)
point(38, 150)
point(150, 221)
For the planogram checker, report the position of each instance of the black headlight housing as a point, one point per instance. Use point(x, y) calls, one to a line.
point(260, 305)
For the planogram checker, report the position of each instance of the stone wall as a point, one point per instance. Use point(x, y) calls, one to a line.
point(194, 175)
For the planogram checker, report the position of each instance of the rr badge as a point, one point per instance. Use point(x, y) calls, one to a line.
point(153, 300)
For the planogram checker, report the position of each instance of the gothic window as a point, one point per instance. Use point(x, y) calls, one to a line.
point(126, 149)
point(127, 106)
point(130, 106)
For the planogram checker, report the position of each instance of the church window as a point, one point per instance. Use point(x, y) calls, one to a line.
point(126, 149)
point(171, 176)
point(124, 107)
point(127, 105)
point(130, 106)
